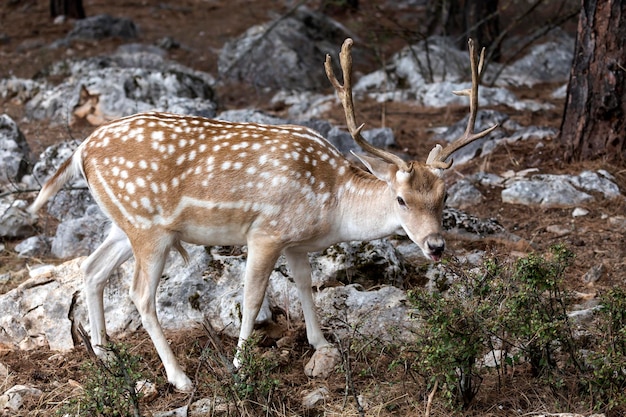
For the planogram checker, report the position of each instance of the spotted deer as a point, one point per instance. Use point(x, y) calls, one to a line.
point(164, 179)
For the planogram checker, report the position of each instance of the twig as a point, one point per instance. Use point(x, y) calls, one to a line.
point(345, 356)
point(429, 403)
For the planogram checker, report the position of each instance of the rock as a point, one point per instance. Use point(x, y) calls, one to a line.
point(147, 390)
point(377, 259)
point(178, 412)
point(594, 274)
point(380, 313)
point(50, 303)
point(249, 116)
point(103, 26)
point(545, 192)
point(214, 406)
point(532, 132)
point(323, 362)
point(430, 61)
point(303, 105)
point(494, 358)
point(461, 222)
point(4, 371)
point(599, 182)
point(14, 153)
point(549, 62)
point(13, 399)
point(558, 230)
point(80, 236)
point(428, 72)
point(15, 221)
point(579, 212)
point(105, 88)
point(20, 90)
point(51, 159)
point(315, 398)
point(559, 190)
point(286, 54)
point(33, 247)
point(617, 222)
point(462, 195)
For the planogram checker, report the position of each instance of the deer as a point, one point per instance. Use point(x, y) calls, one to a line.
point(164, 179)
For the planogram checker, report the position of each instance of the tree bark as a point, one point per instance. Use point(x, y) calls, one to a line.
point(69, 8)
point(594, 120)
point(482, 23)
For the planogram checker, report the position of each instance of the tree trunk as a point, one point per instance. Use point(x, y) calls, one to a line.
point(482, 23)
point(68, 8)
point(594, 121)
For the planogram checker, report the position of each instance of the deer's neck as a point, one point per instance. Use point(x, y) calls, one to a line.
point(365, 209)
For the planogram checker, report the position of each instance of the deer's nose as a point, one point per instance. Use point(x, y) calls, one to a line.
point(436, 245)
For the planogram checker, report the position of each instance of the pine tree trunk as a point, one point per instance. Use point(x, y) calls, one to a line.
point(482, 23)
point(69, 8)
point(594, 121)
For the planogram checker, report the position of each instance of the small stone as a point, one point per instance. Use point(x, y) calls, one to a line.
point(580, 212)
point(4, 371)
point(147, 390)
point(618, 222)
point(13, 398)
point(594, 274)
point(315, 398)
point(323, 362)
point(558, 230)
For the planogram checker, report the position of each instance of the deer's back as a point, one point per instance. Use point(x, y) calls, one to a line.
point(184, 173)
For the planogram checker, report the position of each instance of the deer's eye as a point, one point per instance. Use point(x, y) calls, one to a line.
point(401, 201)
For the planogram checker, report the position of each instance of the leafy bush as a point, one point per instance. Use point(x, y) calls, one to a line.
point(606, 381)
point(255, 379)
point(518, 308)
point(109, 390)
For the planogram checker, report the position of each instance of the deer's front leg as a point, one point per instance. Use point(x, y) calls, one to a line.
point(326, 356)
point(301, 270)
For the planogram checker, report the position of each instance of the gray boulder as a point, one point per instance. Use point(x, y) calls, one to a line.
point(80, 236)
point(560, 190)
point(14, 153)
point(285, 54)
point(50, 304)
point(124, 84)
point(103, 26)
point(14, 220)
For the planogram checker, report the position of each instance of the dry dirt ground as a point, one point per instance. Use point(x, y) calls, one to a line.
point(201, 27)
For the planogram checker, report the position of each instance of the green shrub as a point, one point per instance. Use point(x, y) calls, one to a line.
point(517, 307)
point(109, 388)
point(606, 380)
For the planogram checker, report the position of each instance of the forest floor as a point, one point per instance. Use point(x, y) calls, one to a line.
point(201, 27)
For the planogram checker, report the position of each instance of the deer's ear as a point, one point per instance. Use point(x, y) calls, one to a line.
point(381, 169)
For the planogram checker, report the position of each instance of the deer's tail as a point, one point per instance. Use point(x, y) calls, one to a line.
point(70, 169)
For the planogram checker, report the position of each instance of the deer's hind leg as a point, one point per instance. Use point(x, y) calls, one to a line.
point(97, 268)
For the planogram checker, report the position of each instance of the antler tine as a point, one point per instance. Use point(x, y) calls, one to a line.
point(345, 95)
point(438, 156)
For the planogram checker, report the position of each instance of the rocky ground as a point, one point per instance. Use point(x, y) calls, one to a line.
point(201, 28)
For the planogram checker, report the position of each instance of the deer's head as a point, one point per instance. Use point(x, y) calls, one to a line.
point(417, 189)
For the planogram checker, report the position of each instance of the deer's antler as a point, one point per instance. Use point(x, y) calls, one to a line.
point(438, 155)
point(345, 95)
